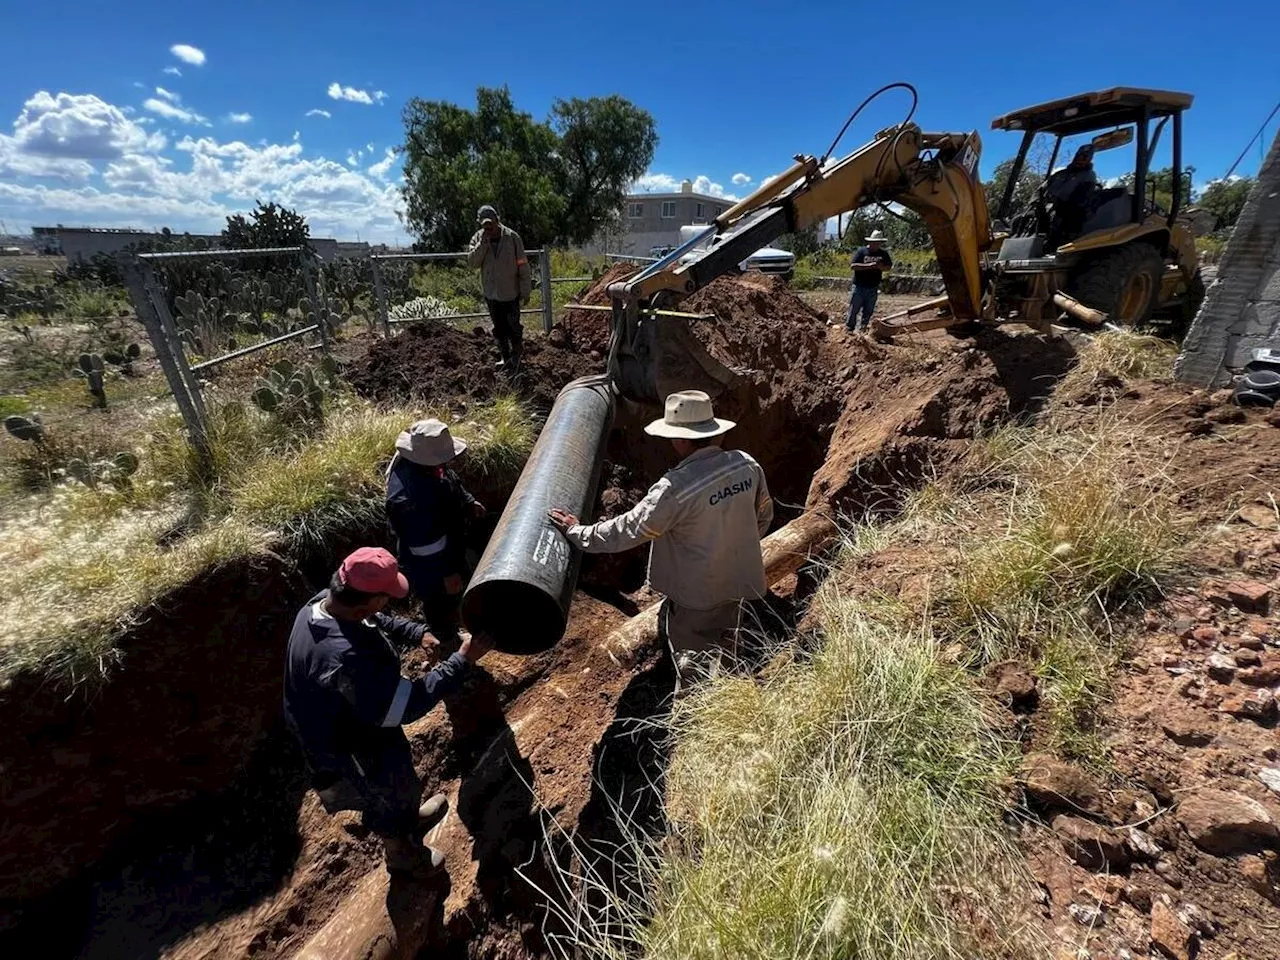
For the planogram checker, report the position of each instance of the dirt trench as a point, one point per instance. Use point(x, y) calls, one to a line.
point(210, 845)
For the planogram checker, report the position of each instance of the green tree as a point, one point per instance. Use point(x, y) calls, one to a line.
point(802, 243)
point(1160, 186)
point(606, 143)
point(1225, 199)
point(557, 180)
point(268, 225)
point(1029, 183)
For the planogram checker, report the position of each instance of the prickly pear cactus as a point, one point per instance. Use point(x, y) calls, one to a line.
point(91, 369)
point(123, 357)
point(295, 395)
point(29, 429)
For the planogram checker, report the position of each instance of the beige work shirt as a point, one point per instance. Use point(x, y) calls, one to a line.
point(705, 518)
point(504, 267)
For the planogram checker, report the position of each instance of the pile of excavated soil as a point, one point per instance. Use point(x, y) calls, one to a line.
point(909, 409)
point(588, 330)
point(433, 362)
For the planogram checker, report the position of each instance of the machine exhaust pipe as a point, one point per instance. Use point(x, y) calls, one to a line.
point(521, 589)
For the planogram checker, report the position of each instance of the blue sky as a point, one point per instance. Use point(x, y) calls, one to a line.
point(178, 113)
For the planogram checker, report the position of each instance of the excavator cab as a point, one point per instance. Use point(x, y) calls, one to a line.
point(1118, 250)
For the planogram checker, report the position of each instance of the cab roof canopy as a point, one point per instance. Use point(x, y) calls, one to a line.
point(1093, 111)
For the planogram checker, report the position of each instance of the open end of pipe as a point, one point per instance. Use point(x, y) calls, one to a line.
point(521, 618)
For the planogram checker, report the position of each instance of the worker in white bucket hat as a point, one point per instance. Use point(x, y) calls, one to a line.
point(429, 511)
point(705, 518)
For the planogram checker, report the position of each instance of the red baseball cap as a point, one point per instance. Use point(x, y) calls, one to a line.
point(373, 570)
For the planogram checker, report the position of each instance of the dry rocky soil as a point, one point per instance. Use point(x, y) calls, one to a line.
point(168, 817)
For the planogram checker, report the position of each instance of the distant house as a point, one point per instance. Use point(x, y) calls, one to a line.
point(651, 221)
point(85, 243)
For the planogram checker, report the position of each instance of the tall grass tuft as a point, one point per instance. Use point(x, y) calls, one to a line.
point(844, 806)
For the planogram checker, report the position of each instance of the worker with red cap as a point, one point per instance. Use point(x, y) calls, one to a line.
point(346, 701)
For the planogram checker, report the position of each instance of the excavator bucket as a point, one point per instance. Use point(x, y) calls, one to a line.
point(661, 356)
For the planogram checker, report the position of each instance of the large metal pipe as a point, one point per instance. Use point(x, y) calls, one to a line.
point(522, 587)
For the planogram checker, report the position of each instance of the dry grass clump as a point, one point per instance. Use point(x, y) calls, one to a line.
point(79, 564)
point(1112, 357)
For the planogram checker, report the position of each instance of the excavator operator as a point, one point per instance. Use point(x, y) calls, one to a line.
point(1071, 191)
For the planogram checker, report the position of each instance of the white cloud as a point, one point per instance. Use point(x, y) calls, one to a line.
point(317, 112)
point(351, 159)
point(191, 185)
point(171, 111)
point(740, 179)
point(239, 117)
point(188, 54)
point(354, 95)
point(666, 183)
point(368, 148)
point(59, 136)
point(173, 71)
point(705, 185)
point(383, 166)
point(168, 95)
point(656, 183)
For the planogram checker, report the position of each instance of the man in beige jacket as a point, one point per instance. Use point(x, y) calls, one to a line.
point(505, 282)
point(705, 518)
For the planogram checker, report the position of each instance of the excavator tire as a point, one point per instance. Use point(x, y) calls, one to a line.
point(1123, 283)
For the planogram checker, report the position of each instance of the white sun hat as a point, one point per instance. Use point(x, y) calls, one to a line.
point(877, 235)
point(429, 443)
point(688, 416)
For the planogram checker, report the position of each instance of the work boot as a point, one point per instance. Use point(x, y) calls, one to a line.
point(432, 812)
point(407, 854)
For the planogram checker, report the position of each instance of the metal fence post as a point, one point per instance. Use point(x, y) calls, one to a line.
point(380, 294)
point(145, 308)
point(318, 306)
point(161, 307)
point(544, 278)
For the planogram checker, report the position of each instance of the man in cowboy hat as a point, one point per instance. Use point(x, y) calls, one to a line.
point(345, 700)
point(705, 518)
point(505, 281)
point(869, 266)
point(429, 510)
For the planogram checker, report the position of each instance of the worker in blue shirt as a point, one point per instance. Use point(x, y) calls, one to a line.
point(429, 511)
point(346, 701)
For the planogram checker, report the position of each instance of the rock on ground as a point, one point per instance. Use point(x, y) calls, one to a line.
point(1056, 784)
point(1225, 822)
point(1169, 935)
point(1092, 846)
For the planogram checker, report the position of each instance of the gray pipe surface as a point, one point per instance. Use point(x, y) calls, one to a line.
point(522, 587)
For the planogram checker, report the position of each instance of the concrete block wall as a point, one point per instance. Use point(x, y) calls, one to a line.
point(1241, 309)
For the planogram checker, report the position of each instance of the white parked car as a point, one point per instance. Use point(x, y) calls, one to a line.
point(770, 260)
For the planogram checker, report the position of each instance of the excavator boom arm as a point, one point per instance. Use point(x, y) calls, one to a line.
point(895, 167)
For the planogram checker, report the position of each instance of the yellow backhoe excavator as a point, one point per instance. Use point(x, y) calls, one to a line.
point(1091, 254)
